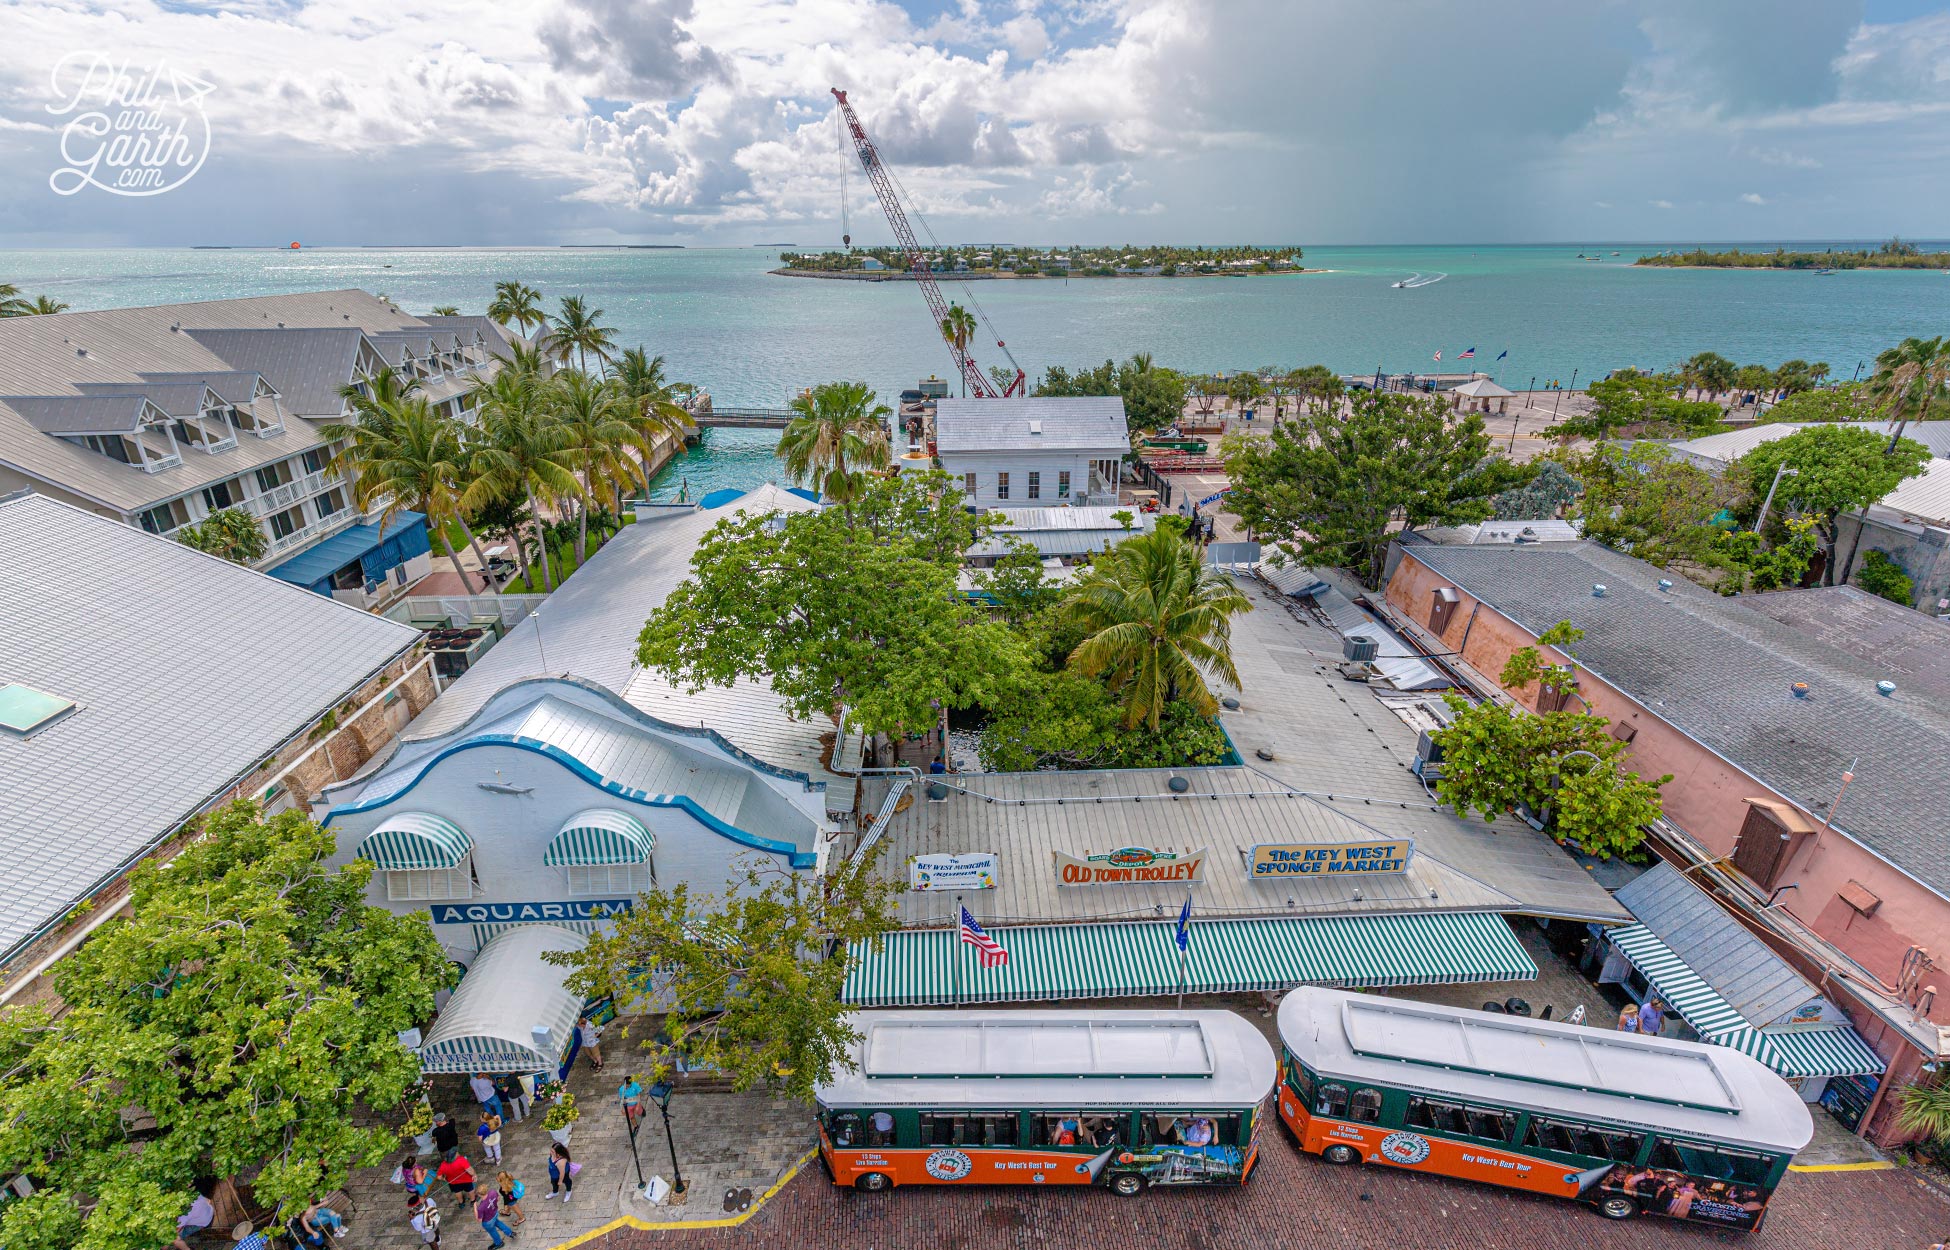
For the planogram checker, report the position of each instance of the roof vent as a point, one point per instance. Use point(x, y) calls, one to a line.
point(1885, 688)
point(1036, 426)
point(81, 351)
point(1178, 785)
point(1597, 590)
point(1800, 689)
point(1665, 583)
point(280, 325)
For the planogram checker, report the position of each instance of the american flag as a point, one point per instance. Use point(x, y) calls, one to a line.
point(1438, 355)
point(1468, 353)
point(987, 949)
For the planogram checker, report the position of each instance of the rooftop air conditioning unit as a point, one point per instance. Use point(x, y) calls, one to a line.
point(1360, 650)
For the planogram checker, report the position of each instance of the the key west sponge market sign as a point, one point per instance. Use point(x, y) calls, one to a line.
point(1271, 860)
point(1132, 865)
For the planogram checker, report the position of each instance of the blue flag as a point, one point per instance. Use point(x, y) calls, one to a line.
point(1184, 935)
point(1500, 355)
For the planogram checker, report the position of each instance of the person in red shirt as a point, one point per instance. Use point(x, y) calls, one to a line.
point(459, 1175)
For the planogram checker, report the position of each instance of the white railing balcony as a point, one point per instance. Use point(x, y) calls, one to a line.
point(312, 533)
point(278, 498)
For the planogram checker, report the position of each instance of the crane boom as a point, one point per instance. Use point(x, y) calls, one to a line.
point(979, 384)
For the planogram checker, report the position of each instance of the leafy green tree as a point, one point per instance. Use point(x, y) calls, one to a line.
point(1159, 620)
point(652, 408)
point(1154, 398)
point(838, 432)
point(1018, 583)
point(1836, 468)
point(1881, 575)
point(1753, 563)
point(1847, 402)
point(1925, 1108)
point(1316, 386)
point(230, 533)
point(861, 612)
point(1652, 504)
point(1796, 376)
point(1334, 485)
point(250, 1004)
point(753, 992)
point(958, 327)
point(595, 418)
point(1067, 720)
point(1497, 759)
point(1909, 378)
point(47, 305)
point(1641, 403)
point(1710, 372)
point(522, 451)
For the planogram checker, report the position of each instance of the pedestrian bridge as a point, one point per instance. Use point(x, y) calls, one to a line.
point(744, 418)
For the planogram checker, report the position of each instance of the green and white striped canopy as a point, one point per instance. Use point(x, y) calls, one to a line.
point(1831, 1050)
point(932, 966)
point(408, 840)
point(600, 835)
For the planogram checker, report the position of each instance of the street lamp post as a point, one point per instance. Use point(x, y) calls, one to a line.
point(1560, 394)
point(660, 1094)
point(1529, 398)
point(629, 1123)
point(1775, 485)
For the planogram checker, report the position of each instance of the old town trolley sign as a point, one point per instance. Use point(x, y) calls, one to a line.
point(1131, 865)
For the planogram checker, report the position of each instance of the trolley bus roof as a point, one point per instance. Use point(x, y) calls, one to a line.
point(1546, 1067)
point(1060, 1059)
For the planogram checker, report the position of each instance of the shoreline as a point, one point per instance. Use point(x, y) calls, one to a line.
point(895, 275)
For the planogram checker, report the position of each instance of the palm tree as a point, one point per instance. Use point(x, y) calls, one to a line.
point(1709, 372)
point(580, 327)
point(230, 533)
point(445, 310)
point(518, 305)
point(838, 432)
point(1159, 619)
point(412, 458)
point(591, 412)
point(46, 305)
point(12, 302)
point(958, 327)
point(652, 407)
point(525, 359)
point(523, 450)
point(1909, 377)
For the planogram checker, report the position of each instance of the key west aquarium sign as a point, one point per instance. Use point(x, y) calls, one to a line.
point(1272, 861)
point(1132, 865)
point(537, 913)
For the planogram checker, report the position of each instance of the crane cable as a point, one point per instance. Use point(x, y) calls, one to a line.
point(846, 215)
point(914, 211)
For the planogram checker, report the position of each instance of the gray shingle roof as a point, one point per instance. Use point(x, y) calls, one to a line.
point(79, 414)
point(307, 366)
point(1722, 671)
point(178, 399)
point(1757, 982)
point(1069, 423)
point(187, 671)
point(236, 386)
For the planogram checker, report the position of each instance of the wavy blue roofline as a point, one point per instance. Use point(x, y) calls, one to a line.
point(682, 802)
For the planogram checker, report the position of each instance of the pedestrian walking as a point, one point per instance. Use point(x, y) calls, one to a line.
point(631, 1094)
point(490, 1134)
point(487, 1209)
point(446, 1136)
point(1628, 1019)
point(201, 1215)
point(485, 1092)
point(591, 1036)
point(424, 1215)
point(561, 1173)
point(415, 1175)
point(512, 1192)
point(1652, 1017)
point(459, 1175)
point(514, 1098)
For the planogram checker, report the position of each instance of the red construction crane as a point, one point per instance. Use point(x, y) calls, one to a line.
point(980, 384)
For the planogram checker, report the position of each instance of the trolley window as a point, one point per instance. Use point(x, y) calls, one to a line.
point(979, 1128)
point(1718, 1164)
point(1195, 1128)
point(1367, 1106)
point(1331, 1100)
point(1592, 1141)
point(1301, 1080)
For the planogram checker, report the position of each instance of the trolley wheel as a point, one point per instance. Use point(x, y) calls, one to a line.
point(1341, 1154)
point(873, 1182)
point(1127, 1184)
point(1618, 1207)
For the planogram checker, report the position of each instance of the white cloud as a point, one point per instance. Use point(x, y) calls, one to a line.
point(1751, 198)
point(1661, 203)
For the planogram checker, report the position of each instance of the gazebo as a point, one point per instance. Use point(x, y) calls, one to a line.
point(1480, 393)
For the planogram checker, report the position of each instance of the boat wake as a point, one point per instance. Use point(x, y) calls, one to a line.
point(1419, 279)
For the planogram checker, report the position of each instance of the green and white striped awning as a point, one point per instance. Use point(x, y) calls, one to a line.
point(416, 840)
point(1834, 1050)
point(600, 835)
point(920, 967)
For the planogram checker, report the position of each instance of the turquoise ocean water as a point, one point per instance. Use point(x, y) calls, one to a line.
point(722, 322)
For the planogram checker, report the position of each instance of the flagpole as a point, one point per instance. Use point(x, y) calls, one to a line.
point(954, 953)
point(1185, 949)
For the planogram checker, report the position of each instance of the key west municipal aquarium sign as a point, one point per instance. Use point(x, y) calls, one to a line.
point(518, 913)
point(1303, 859)
point(975, 871)
point(1132, 865)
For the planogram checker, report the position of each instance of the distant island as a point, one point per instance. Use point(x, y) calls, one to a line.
point(1895, 254)
point(882, 264)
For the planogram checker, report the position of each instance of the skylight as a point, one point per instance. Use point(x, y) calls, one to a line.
point(24, 709)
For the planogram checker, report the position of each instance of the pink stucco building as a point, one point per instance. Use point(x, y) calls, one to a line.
point(1805, 734)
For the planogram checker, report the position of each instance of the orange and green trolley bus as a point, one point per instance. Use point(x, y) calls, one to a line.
point(1124, 1099)
point(1626, 1123)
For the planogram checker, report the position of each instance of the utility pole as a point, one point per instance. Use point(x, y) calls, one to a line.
point(1775, 485)
point(1529, 395)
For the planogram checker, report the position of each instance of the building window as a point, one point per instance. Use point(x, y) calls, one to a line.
point(220, 496)
point(1002, 486)
point(968, 485)
point(1063, 484)
point(421, 885)
point(330, 502)
point(605, 880)
point(272, 476)
point(316, 460)
point(285, 524)
point(1035, 484)
point(157, 520)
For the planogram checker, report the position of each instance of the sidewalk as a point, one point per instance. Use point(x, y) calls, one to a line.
point(724, 1141)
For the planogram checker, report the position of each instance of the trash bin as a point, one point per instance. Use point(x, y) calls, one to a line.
point(1516, 1006)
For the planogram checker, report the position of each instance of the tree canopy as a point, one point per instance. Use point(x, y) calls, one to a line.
point(1645, 403)
point(250, 1005)
point(1331, 484)
point(1154, 396)
point(1837, 468)
point(859, 609)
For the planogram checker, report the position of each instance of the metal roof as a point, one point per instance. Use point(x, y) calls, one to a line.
point(1717, 450)
point(1063, 531)
point(234, 386)
point(187, 671)
point(1723, 673)
point(178, 399)
point(509, 995)
point(318, 562)
point(1071, 1059)
point(1925, 497)
point(1335, 737)
point(1545, 1067)
point(1724, 953)
point(78, 414)
point(1088, 423)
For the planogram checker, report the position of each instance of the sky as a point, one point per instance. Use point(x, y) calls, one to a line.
point(510, 122)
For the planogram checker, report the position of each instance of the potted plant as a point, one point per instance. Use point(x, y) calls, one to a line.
point(419, 1126)
point(553, 1090)
point(561, 1117)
